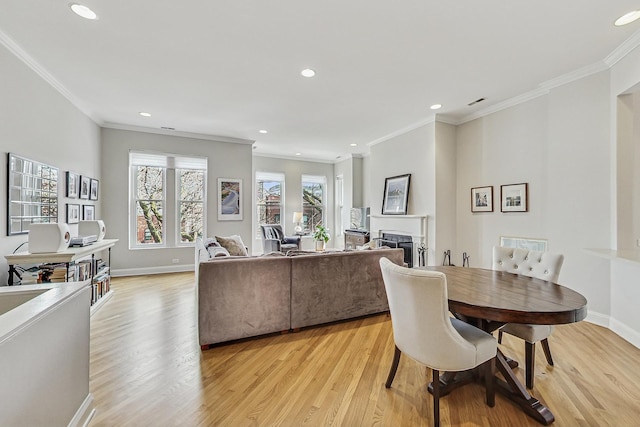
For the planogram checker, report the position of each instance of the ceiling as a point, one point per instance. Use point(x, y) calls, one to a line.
point(230, 68)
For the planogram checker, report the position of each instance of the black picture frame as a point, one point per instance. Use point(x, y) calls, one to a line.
point(71, 185)
point(396, 195)
point(93, 189)
point(73, 213)
point(85, 184)
point(88, 212)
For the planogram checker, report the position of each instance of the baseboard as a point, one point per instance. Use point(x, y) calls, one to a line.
point(624, 331)
point(598, 319)
point(152, 270)
point(84, 414)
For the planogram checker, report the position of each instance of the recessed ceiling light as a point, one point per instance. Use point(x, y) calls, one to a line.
point(143, 114)
point(262, 131)
point(436, 106)
point(82, 10)
point(627, 18)
point(308, 72)
point(298, 154)
point(353, 145)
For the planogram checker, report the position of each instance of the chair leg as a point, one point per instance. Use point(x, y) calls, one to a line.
point(530, 362)
point(500, 336)
point(490, 381)
point(394, 367)
point(436, 398)
point(547, 351)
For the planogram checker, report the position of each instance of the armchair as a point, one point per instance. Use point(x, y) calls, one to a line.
point(274, 240)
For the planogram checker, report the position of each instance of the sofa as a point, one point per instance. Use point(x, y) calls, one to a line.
point(241, 297)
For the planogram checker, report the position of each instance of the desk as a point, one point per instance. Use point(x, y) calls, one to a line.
point(489, 299)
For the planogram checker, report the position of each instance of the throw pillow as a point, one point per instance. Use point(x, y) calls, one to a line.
point(233, 244)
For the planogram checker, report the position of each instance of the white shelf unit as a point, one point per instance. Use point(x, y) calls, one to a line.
point(69, 255)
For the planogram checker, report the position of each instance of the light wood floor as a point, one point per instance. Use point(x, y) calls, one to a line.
point(147, 370)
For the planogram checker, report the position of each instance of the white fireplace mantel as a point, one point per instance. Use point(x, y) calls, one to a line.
point(410, 225)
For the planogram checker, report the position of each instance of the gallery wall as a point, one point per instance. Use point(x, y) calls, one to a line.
point(38, 123)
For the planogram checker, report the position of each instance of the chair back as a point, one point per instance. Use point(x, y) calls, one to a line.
point(420, 318)
point(541, 265)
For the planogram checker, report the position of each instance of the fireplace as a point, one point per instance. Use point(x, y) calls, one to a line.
point(399, 241)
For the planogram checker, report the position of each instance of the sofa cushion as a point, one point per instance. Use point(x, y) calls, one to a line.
point(233, 244)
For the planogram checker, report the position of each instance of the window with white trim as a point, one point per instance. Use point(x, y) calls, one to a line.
point(340, 204)
point(269, 199)
point(313, 202)
point(167, 199)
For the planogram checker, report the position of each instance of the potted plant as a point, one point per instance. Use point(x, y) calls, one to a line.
point(321, 236)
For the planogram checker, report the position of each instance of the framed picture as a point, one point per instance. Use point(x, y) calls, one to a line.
point(88, 212)
point(482, 199)
point(93, 189)
point(514, 198)
point(524, 243)
point(85, 183)
point(396, 195)
point(229, 199)
point(73, 213)
point(72, 185)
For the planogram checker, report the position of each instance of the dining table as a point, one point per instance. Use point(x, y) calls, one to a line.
point(488, 299)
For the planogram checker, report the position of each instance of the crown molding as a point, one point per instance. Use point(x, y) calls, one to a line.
point(413, 126)
point(623, 50)
point(296, 158)
point(23, 56)
point(511, 102)
point(217, 138)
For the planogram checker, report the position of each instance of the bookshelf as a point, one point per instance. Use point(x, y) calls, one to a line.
point(76, 263)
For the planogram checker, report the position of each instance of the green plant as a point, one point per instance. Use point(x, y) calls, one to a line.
point(321, 233)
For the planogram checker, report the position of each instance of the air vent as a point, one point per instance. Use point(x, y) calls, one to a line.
point(475, 102)
point(167, 128)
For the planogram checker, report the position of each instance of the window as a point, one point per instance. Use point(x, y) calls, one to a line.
point(340, 204)
point(149, 204)
point(313, 199)
point(269, 199)
point(191, 186)
point(163, 207)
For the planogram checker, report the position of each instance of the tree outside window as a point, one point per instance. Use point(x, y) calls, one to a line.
point(313, 195)
point(268, 201)
point(191, 204)
point(149, 204)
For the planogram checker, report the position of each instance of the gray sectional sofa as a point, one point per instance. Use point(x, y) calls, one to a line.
point(240, 297)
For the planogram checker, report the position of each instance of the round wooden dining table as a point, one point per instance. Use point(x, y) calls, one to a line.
point(488, 299)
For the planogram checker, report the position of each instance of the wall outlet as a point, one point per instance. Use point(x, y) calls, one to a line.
point(175, 260)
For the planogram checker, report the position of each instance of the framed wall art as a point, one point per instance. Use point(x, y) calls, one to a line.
point(396, 195)
point(85, 183)
point(72, 185)
point(73, 213)
point(229, 199)
point(93, 189)
point(514, 198)
point(88, 212)
point(482, 199)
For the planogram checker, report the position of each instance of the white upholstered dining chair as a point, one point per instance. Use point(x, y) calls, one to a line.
point(424, 331)
point(541, 265)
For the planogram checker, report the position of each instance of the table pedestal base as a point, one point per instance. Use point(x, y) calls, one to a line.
point(510, 387)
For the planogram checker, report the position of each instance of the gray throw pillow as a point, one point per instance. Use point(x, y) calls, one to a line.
point(233, 244)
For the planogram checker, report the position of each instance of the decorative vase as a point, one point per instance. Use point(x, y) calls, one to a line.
point(319, 245)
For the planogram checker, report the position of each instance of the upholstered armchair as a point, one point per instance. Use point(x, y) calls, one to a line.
point(541, 265)
point(424, 331)
point(274, 240)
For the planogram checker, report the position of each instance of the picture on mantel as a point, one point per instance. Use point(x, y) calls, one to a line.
point(396, 195)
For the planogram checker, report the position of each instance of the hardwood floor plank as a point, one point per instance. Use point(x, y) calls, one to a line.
point(147, 369)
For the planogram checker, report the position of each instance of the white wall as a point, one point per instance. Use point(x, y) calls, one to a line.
point(225, 160)
point(38, 123)
point(558, 144)
point(293, 171)
point(413, 152)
